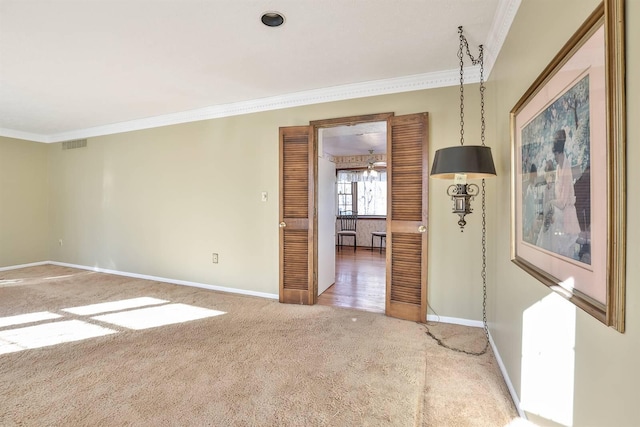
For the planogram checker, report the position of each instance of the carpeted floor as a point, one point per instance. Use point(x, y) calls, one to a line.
point(261, 363)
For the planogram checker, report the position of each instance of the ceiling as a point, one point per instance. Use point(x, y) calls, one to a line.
point(354, 140)
point(74, 68)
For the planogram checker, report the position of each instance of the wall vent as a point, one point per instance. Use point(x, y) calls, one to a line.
point(76, 143)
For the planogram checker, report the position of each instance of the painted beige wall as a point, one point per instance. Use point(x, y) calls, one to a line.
point(23, 202)
point(160, 201)
point(533, 330)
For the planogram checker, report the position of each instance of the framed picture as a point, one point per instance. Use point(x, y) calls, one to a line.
point(568, 170)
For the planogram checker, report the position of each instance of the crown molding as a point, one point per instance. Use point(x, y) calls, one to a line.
point(503, 18)
point(316, 96)
point(28, 136)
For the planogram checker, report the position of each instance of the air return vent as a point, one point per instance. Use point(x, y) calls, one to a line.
point(76, 143)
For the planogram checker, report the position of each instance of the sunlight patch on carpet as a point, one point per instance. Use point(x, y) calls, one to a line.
point(104, 307)
point(66, 276)
point(152, 317)
point(27, 318)
point(13, 340)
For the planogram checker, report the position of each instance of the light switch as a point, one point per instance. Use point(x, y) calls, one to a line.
point(265, 196)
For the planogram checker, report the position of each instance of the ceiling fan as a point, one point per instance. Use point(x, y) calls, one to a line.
point(372, 164)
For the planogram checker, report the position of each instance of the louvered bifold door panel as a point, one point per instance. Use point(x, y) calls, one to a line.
point(295, 255)
point(406, 257)
point(407, 186)
point(407, 177)
point(296, 225)
point(295, 186)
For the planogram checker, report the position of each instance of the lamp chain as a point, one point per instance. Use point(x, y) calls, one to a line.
point(480, 61)
point(461, 57)
point(484, 288)
point(464, 48)
point(484, 204)
point(482, 124)
point(484, 265)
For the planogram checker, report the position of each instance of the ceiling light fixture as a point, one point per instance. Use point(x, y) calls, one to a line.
point(465, 161)
point(371, 165)
point(272, 19)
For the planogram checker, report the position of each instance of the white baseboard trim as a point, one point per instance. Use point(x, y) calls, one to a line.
point(507, 380)
point(454, 321)
point(166, 280)
point(31, 264)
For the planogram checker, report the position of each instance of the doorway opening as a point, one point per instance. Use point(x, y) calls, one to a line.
point(307, 234)
point(352, 183)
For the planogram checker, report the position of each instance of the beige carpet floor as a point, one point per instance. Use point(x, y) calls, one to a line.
point(261, 363)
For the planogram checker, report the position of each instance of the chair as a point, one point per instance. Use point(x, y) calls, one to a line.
point(382, 235)
point(347, 229)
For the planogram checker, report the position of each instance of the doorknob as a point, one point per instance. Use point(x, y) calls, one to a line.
point(422, 229)
point(283, 224)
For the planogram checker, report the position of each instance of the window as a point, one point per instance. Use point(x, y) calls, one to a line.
point(360, 192)
point(346, 191)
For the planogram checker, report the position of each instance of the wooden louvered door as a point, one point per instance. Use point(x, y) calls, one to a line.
point(297, 278)
point(407, 186)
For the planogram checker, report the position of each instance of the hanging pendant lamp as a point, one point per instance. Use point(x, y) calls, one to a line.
point(465, 161)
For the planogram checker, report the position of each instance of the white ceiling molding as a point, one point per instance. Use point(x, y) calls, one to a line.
point(318, 96)
point(505, 14)
point(35, 137)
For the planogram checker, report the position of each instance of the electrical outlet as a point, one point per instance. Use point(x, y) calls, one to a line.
point(214, 258)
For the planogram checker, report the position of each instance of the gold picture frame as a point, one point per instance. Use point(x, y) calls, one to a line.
point(568, 201)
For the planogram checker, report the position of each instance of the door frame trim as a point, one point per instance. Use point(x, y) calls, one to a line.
point(350, 121)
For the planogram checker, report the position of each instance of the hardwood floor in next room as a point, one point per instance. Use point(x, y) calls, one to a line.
point(360, 281)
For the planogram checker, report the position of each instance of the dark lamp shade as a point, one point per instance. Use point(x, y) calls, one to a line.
point(473, 160)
